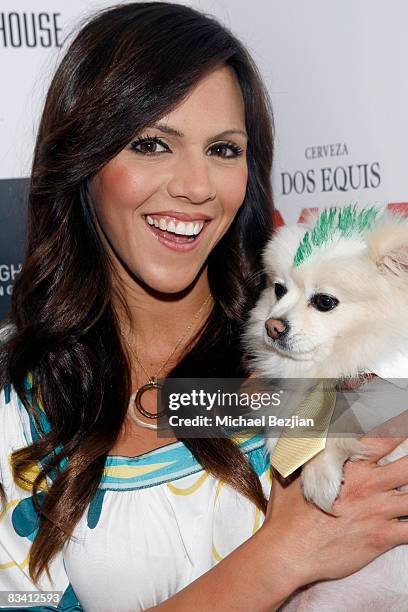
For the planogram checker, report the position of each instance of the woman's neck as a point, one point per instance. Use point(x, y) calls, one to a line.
point(160, 323)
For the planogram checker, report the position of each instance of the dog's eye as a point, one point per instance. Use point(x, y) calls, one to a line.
point(324, 302)
point(280, 290)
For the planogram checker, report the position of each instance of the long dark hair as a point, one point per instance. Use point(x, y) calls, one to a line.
point(128, 66)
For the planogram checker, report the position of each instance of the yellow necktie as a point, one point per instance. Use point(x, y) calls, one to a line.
point(292, 450)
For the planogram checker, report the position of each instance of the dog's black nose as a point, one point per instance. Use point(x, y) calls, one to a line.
point(276, 328)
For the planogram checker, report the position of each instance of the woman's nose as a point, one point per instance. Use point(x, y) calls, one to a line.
point(192, 179)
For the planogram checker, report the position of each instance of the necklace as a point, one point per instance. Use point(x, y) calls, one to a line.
point(135, 398)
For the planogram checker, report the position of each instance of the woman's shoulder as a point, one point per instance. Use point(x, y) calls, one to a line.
point(18, 427)
point(15, 430)
point(19, 519)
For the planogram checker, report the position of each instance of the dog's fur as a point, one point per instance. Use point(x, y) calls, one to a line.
point(367, 271)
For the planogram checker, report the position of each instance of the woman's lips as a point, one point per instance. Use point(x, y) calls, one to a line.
point(174, 242)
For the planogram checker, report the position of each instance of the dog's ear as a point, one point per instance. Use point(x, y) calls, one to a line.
point(388, 246)
point(310, 218)
point(396, 261)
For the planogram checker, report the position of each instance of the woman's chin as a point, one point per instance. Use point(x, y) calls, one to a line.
point(169, 283)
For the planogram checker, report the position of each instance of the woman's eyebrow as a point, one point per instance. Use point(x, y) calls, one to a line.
point(167, 129)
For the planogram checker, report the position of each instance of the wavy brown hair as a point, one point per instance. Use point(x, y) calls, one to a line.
point(128, 66)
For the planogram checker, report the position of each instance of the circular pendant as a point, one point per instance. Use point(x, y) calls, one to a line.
point(152, 384)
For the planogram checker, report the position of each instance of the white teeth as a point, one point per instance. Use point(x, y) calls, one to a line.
point(181, 228)
point(171, 226)
point(176, 227)
point(190, 229)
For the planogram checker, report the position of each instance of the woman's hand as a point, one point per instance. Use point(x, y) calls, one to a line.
point(298, 543)
point(315, 545)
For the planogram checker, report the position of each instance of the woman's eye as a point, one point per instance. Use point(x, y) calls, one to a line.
point(149, 145)
point(280, 290)
point(324, 302)
point(226, 150)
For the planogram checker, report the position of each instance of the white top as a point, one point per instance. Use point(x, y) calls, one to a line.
point(157, 522)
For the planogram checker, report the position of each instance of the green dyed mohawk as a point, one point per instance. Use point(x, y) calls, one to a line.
point(333, 223)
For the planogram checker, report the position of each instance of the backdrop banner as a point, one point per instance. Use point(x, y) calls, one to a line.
point(335, 73)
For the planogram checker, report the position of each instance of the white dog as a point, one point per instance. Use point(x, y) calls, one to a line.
point(336, 306)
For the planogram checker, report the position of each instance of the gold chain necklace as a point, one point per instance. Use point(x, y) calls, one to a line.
point(152, 383)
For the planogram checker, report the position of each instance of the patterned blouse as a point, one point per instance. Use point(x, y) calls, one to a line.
point(157, 522)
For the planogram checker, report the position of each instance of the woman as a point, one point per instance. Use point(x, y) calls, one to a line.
point(155, 113)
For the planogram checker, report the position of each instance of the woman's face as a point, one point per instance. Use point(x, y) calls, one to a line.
point(185, 174)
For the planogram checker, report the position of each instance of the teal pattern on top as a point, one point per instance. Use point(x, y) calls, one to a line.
point(25, 520)
point(164, 464)
point(169, 463)
point(344, 222)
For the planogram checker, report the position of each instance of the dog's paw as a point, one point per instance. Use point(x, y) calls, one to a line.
point(400, 451)
point(322, 476)
point(321, 480)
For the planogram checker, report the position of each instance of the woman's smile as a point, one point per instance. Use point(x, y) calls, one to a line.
point(177, 235)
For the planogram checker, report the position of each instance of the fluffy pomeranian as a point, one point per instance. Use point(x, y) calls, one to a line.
point(336, 306)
